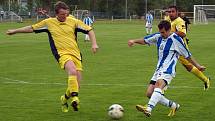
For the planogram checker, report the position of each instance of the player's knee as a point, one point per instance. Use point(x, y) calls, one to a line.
point(71, 68)
point(72, 71)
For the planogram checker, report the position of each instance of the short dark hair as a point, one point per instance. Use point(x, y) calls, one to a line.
point(60, 5)
point(164, 24)
point(173, 6)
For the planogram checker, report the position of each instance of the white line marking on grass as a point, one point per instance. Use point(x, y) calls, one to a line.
point(15, 81)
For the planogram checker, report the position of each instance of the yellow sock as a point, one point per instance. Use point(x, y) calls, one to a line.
point(68, 92)
point(72, 84)
point(199, 74)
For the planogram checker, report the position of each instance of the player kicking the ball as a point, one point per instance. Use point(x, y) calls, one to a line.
point(169, 46)
point(62, 31)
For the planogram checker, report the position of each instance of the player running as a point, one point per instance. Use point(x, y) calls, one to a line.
point(178, 26)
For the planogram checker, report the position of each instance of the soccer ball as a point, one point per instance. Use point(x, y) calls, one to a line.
point(115, 111)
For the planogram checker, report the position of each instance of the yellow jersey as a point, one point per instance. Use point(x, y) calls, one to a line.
point(178, 25)
point(167, 18)
point(63, 35)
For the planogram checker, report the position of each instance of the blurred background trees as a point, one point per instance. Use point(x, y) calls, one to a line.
point(117, 8)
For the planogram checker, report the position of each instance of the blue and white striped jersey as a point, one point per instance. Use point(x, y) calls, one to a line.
point(169, 51)
point(88, 21)
point(149, 18)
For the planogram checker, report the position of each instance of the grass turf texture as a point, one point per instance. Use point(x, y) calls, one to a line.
point(32, 82)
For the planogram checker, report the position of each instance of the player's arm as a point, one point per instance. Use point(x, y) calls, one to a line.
point(26, 29)
point(136, 41)
point(81, 27)
point(181, 34)
point(93, 40)
point(182, 50)
point(149, 40)
point(44, 12)
point(181, 29)
point(196, 64)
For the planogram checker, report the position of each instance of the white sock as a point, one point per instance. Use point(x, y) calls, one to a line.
point(147, 31)
point(172, 104)
point(155, 98)
point(150, 30)
point(166, 102)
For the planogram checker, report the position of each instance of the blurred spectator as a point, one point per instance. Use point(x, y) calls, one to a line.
point(88, 21)
point(2, 14)
point(186, 20)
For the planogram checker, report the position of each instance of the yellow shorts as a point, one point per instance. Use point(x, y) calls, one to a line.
point(63, 59)
point(182, 60)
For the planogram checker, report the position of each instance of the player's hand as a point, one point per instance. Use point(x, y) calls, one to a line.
point(130, 43)
point(201, 68)
point(95, 48)
point(11, 32)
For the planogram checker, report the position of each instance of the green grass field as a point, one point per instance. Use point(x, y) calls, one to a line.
point(31, 81)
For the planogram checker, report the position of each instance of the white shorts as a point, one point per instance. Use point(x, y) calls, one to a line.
point(160, 75)
point(148, 25)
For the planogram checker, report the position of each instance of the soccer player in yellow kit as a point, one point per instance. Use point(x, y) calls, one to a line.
point(178, 26)
point(62, 31)
point(166, 15)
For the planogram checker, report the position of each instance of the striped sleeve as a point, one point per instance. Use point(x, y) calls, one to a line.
point(152, 39)
point(180, 46)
